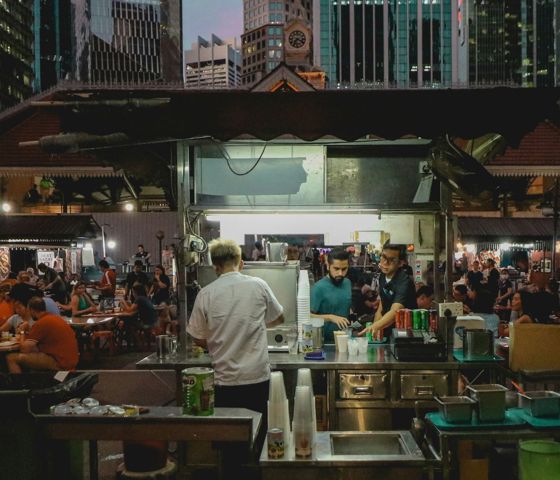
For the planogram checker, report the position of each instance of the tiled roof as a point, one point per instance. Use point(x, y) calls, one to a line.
point(539, 147)
point(505, 228)
point(41, 123)
point(47, 229)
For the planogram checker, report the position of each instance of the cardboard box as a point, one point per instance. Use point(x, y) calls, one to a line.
point(534, 347)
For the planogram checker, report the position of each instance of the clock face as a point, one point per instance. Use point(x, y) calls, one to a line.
point(297, 39)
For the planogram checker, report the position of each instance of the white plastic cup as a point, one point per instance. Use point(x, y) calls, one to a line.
point(362, 345)
point(303, 413)
point(353, 347)
point(343, 343)
point(292, 339)
point(276, 391)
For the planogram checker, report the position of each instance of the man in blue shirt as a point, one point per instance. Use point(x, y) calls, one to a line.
point(331, 297)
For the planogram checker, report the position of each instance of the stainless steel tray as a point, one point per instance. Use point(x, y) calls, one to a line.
point(456, 409)
point(491, 400)
point(542, 403)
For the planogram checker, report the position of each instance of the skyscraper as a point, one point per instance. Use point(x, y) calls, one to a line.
point(274, 32)
point(16, 51)
point(52, 49)
point(511, 42)
point(128, 41)
point(390, 43)
point(214, 64)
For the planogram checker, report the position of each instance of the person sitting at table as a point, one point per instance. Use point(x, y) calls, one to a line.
point(80, 303)
point(6, 305)
point(461, 294)
point(21, 320)
point(522, 307)
point(144, 311)
point(484, 307)
point(425, 297)
point(50, 345)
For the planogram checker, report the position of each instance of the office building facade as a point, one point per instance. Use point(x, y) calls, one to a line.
point(511, 42)
point(213, 64)
point(128, 41)
point(52, 52)
point(266, 40)
point(385, 43)
point(16, 51)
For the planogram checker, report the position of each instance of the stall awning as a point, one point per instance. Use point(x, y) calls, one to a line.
point(60, 171)
point(504, 229)
point(47, 229)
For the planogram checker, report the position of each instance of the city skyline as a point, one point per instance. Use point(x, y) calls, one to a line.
point(223, 18)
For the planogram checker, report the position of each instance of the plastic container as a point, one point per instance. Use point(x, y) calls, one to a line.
point(540, 403)
point(491, 400)
point(456, 409)
point(539, 460)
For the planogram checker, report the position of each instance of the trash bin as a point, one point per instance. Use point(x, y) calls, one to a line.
point(21, 396)
point(539, 460)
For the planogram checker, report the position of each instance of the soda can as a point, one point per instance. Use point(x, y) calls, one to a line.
point(424, 320)
point(198, 391)
point(399, 317)
point(408, 319)
point(433, 321)
point(275, 443)
point(416, 320)
point(378, 337)
point(368, 334)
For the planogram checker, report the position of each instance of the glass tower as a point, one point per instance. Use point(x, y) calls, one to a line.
point(512, 42)
point(127, 41)
point(16, 51)
point(397, 43)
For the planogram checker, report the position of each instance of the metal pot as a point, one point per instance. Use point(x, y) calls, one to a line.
point(478, 343)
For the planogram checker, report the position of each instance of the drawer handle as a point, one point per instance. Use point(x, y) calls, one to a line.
point(424, 390)
point(363, 391)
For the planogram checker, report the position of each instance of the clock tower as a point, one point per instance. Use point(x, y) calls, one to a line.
point(297, 44)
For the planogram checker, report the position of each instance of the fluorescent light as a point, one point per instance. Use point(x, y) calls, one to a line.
point(111, 244)
point(6, 207)
point(129, 207)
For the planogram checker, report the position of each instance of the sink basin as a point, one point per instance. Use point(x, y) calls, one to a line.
point(385, 444)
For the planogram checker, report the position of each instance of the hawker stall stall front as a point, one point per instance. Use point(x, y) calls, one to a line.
point(59, 241)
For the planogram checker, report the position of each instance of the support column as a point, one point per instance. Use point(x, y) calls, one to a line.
point(183, 199)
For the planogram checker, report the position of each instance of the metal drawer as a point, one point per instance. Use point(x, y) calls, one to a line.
point(423, 385)
point(363, 386)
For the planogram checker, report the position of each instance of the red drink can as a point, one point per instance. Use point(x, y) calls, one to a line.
point(433, 321)
point(399, 318)
point(408, 319)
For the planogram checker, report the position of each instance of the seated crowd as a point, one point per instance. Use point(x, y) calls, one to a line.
point(32, 310)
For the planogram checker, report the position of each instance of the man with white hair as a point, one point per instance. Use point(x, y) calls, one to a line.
point(230, 317)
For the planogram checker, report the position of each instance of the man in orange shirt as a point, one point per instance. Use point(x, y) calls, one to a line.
point(6, 306)
point(108, 282)
point(50, 345)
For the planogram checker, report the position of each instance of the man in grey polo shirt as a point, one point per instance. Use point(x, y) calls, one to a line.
point(230, 317)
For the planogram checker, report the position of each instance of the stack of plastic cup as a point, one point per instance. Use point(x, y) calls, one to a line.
point(303, 301)
point(278, 407)
point(304, 379)
point(303, 422)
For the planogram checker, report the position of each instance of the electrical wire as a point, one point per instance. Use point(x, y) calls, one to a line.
point(227, 158)
point(191, 232)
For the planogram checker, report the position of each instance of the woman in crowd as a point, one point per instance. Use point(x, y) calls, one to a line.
point(521, 307)
point(505, 288)
point(80, 303)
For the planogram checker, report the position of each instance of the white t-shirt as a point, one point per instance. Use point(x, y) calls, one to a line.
point(231, 314)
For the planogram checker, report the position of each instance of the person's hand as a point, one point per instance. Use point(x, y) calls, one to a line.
point(340, 322)
point(466, 309)
point(373, 328)
point(24, 327)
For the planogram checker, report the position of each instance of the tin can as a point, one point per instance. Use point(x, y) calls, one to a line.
point(198, 391)
point(416, 320)
point(424, 320)
point(408, 319)
point(378, 336)
point(275, 443)
point(368, 334)
point(433, 321)
point(399, 319)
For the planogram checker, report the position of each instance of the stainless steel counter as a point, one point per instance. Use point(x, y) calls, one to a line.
point(378, 357)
